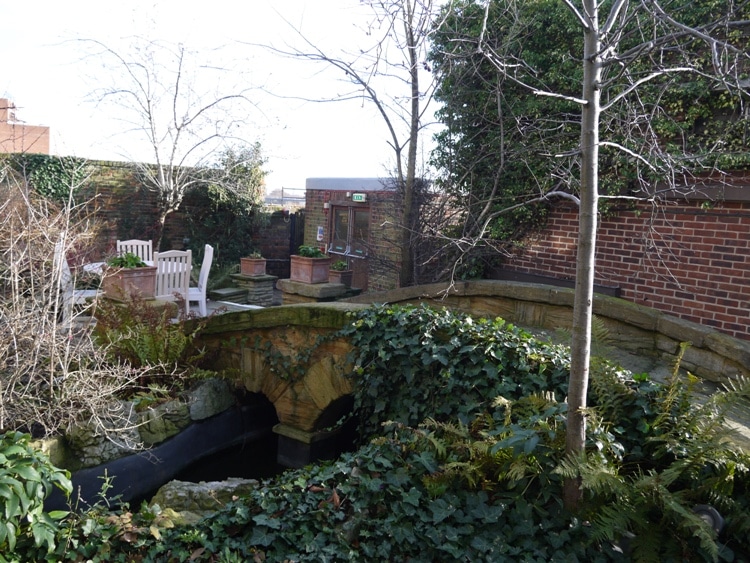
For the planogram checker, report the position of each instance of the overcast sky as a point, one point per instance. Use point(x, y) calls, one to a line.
point(45, 72)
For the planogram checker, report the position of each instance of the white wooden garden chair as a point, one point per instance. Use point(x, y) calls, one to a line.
point(141, 248)
point(199, 293)
point(69, 295)
point(173, 275)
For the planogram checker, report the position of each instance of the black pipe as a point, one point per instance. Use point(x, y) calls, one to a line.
point(135, 476)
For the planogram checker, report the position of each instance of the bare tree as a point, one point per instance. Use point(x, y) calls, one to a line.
point(603, 65)
point(634, 57)
point(401, 31)
point(52, 375)
point(156, 90)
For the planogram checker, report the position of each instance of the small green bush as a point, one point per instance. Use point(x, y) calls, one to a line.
point(26, 479)
point(310, 252)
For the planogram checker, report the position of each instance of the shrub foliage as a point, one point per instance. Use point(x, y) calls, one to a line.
point(462, 458)
point(26, 478)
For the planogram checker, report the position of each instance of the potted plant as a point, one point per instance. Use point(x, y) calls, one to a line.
point(340, 273)
point(253, 265)
point(127, 275)
point(309, 265)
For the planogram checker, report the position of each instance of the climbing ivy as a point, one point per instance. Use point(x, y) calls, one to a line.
point(291, 367)
point(448, 365)
point(55, 177)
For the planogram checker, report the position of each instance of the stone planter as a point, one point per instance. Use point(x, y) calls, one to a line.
point(125, 283)
point(252, 266)
point(309, 270)
point(341, 276)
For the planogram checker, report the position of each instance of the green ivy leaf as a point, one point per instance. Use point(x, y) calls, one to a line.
point(265, 520)
point(440, 510)
point(261, 536)
point(412, 497)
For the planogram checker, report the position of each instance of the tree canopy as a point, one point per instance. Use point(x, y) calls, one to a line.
point(505, 143)
point(226, 208)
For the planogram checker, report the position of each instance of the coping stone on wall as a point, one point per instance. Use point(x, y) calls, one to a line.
point(636, 315)
point(682, 330)
point(318, 315)
point(710, 366)
point(729, 347)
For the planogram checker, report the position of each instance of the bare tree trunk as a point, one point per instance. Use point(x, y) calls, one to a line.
point(584, 286)
point(159, 235)
point(406, 273)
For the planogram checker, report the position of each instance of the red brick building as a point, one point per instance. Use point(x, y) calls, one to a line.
point(16, 136)
point(354, 219)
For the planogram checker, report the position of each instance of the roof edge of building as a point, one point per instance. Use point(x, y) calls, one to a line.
point(349, 184)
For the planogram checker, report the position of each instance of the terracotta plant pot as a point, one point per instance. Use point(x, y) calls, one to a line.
point(122, 284)
point(340, 276)
point(252, 266)
point(309, 270)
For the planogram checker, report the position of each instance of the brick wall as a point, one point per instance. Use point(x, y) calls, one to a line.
point(315, 216)
point(273, 242)
point(386, 241)
point(689, 259)
point(122, 209)
point(16, 136)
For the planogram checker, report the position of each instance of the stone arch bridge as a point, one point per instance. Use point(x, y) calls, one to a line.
point(272, 351)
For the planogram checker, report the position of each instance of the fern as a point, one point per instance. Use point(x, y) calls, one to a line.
point(691, 458)
point(611, 388)
point(144, 335)
point(495, 453)
point(601, 339)
point(595, 475)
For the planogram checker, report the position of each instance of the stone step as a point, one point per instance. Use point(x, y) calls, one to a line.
point(230, 294)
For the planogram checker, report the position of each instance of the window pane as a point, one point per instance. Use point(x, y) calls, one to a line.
point(360, 231)
point(340, 229)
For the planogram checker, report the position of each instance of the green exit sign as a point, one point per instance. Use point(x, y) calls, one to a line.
point(359, 197)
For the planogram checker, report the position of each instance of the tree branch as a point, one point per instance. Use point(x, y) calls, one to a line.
point(642, 81)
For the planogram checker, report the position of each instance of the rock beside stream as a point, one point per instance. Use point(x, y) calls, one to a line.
point(189, 503)
point(112, 434)
point(125, 429)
